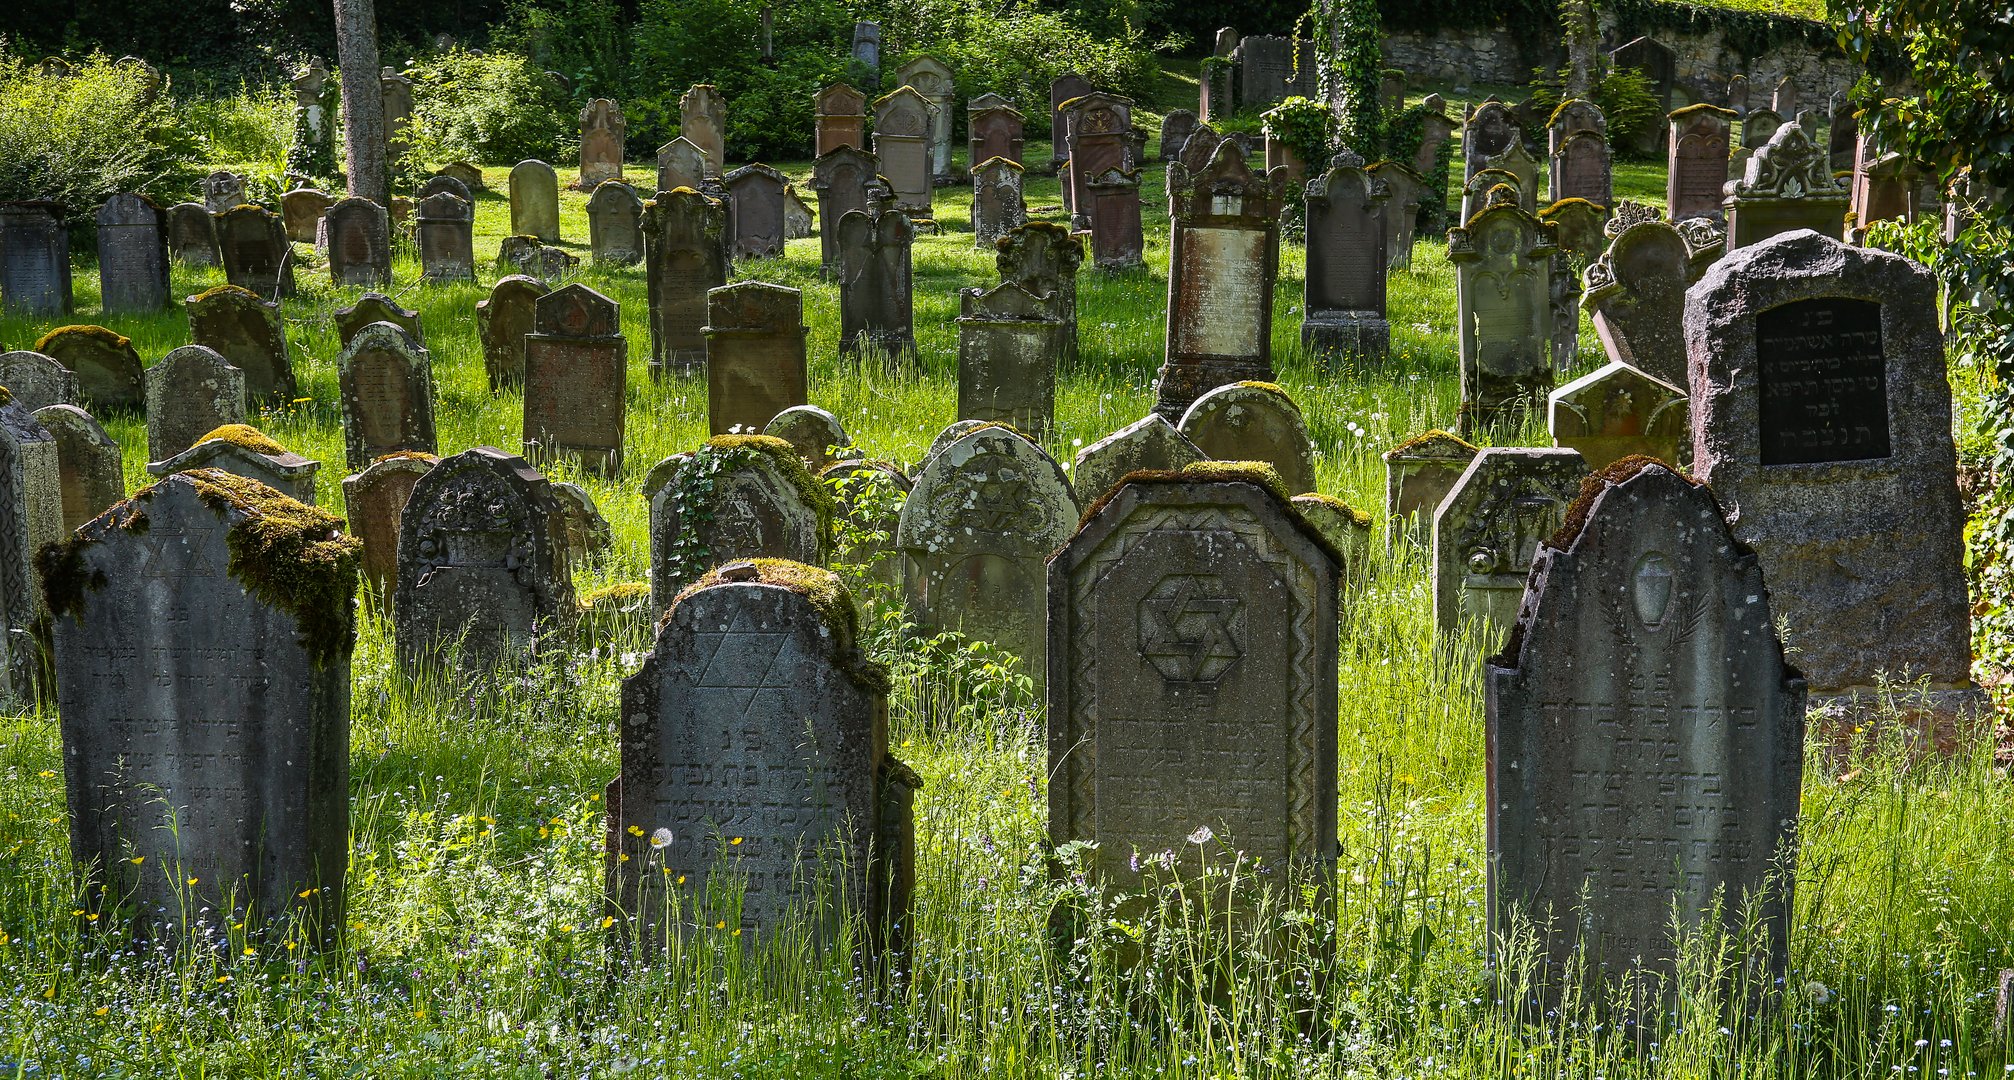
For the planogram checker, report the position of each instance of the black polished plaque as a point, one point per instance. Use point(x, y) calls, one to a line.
point(1823, 382)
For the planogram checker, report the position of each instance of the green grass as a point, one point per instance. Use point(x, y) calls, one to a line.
point(474, 946)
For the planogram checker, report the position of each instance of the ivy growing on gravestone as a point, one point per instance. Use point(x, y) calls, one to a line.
point(693, 497)
point(1306, 126)
point(1353, 67)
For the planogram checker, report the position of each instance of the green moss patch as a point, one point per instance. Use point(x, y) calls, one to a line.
point(1426, 439)
point(1614, 474)
point(247, 436)
point(292, 556)
point(792, 463)
point(225, 290)
point(1360, 518)
point(96, 333)
point(1249, 472)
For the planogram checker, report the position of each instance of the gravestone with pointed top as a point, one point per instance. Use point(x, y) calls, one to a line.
point(755, 500)
point(245, 451)
point(1117, 241)
point(995, 132)
point(903, 125)
point(685, 257)
point(840, 177)
point(191, 392)
point(841, 115)
point(1223, 256)
point(1150, 444)
point(576, 367)
point(756, 364)
point(680, 163)
point(1488, 528)
point(385, 382)
point(1616, 411)
point(755, 226)
point(1503, 263)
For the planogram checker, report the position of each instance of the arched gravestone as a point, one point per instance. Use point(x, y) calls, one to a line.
point(1222, 259)
point(443, 183)
point(191, 392)
point(301, 210)
point(482, 565)
point(680, 164)
point(1419, 473)
point(1488, 527)
point(1098, 124)
point(755, 211)
point(1697, 167)
point(1402, 210)
point(90, 463)
point(601, 135)
point(534, 200)
point(375, 307)
point(756, 365)
point(132, 254)
point(360, 243)
point(1646, 739)
point(702, 119)
point(246, 331)
point(1253, 422)
point(1475, 194)
point(1176, 128)
point(386, 383)
point(243, 450)
point(1344, 293)
point(1492, 140)
point(1061, 89)
point(755, 765)
point(108, 371)
point(840, 177)
point(1192, 676)
point(685, 245)
point(447, 237)
point(1788, 186)
point(576, 366)
point(1151, 444)
point(1503, 270)
point(1042, 257)
point(995, 132)
point(1616, 411)
point(818, 436)
point(502, 321)
point(36, 380)
point(1582, 234)
point(1578, 153)
point(375, 499)
point(192, 235)
point(223, 190)
point(34, 259)
point(1009, 341)
point(841, 112)
point(736, 497)
point(902, 125)
point(997, 204)
point(876, 299)
point(212, 780)
point(984, 513)
point(1757, 127)
point(615, 224)
point(256, 253)
point(931, 79)
point(1636, 296)
point(1821, 417)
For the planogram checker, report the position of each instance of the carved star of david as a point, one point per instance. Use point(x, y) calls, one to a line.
point(998, 501)
point(1191, 629)
point(158, 549)
point(738, 666)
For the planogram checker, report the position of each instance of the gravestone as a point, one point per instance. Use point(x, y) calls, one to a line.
point(223, 190)
point(1344, 297)
point(1503, 270)
point(685, 256)
point(482, 566)
point(31, 517)
point(1008, 344)
point(1659, 66)
point(1271, 69)
point(1215, 99)
point(1842, 139)
point(1042, 257)
point(375, 307)
point(1098, 124)
point(107, 369)
point(751, 497)
point(315, 96)
point(1646, 742)
point(256, 254)
point(246, 331)
point(91, 465)
point(1697, 167)
point(1192, 678)
point(876, 305)
point(817, 435)
point(502, 321)
point(1253, 422)
point(132, 254)
point(588, 535)
point(36, 380)
point(302, 209)
point(1577, 149)
point(443, 183)
point(1148, 444)
point(1616, 411)
point(867, 50)
point(1117, 242)
point(757, 728)
point(192, 235)
point(447, 238)
point(952, 432)
point(1061, 89)
point(1789, 186)
point(1582, 232)
point(534, 200)
point(681, 164)
point(1223, 254)
point(997, 132)
point(1882, 188)
point(840, 177)
point(34, 259)
point(1492, 139)
point(1176, 128)
point(1475, 194)
point(755, 212)
point(601, 136)
point(385, 380)
point(841, 112)
point(1821, 416)
point(1419, 473)
point(1784, 101)
point(1488, 528)
point(615, 224)
point(1406, 194)
point(241, 450)
point(1392, 91)
point(396, 89)
point(985, 512)
point(929, 77)
point(1737, 94)
point(902, 129)
point(191, 392)
point(1636, 297)
point(214, 782)
point(997, 204)
point(576, 365)
point(1437, 128)
point(756, 364)
point(470, 176)
point(797, 216)
point(1756, 129)
point(702, 120)
point(375, 497)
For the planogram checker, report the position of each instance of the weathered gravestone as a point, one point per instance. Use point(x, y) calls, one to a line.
point(1842, 137)
point(1063, 88)
point(386, 383)
point(192, 235)
point(876, 301)
point(601, 134)
point(841, 114)
point(797, 215)
point(685, 257)
point(246, 331)
point(108, 371)
point(931, 79)
point(576, 365)
point(1578, 230)
point(1042, 257)
point(36, 380)
point(756, 364)
point(1223, 254)
point(502, 321)
point(1272, 69)
point(681, 164)
point(1344, 298)
point(1008, 344)
point(223, 190)
point(256, 253)
point(360, 243)
point(996, 131)
point(242, 450)
point(396, 91)
point(1577, 148)
point(482, 565)
point(736, 497)
point(952, 432)
point(1616, 411)
point(755, 211)
point(588, 535)
point(1582, 232)
point(984, 513)
point(470, 176)
point(534, 200)
point(1503, 271)
point(447, 238)
point(1149, 444)
point(1784, 100)
point(90, 463)
point(1488, 527)
point(1216, 98)
point(615, 224)
point(376, 307)
point(1756, 129)
point(867, 49)
point(902, 128)
point(443, 183)
point(375, 497)
point(1253, 422)
point(34, 259)
point(1821, 417)
point(31, 516)
point(1406, 193)
point(1737, 94)
point(210, 781)
point(1475, 194)
point(1788, 186)
point(1636, 296)
point(1113, 197)
point(1492, 139)
point(997, 204)
point(1697, 167)
point(840, 177)
point(1646, 743)
point(1419, 473)
point(1176, 128)
point(817, 435)
point(1192, 677)
point(191, 392)
point(702, 120)
point(754, 742)
point(1098, 124)
point(132, 254)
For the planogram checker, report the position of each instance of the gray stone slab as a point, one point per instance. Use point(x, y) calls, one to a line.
point(90, 464)
point(1149, 444)
point(191, 392)
point(1253, 422)
point(736, 497)
point(1489, 526)
point(385, 382)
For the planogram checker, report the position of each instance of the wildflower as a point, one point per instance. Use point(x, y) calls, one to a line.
point(660, 839)
point(636, 830)
point(721, 925)
point(46, 773)
point(607, 921)
point(1818, 992)
point(101, 1010)
point(249, 951)
point(222, 979)
point(93, 917)
point(292, 945)
point(737, 932)
point(1407, 779)
point(566, 928)
point(137, 859)
point(1202, 835)
point(736, 842)
point(192, 881)
point(681, 878)
point(623, 857)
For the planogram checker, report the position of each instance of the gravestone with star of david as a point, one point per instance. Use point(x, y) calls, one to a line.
point(736, 497)
point(1192, 676)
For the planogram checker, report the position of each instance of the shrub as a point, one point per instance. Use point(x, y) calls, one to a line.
point(252, 126)
point(83, 138)
point(680, 43)
point(494, 107)
point(1625, 98)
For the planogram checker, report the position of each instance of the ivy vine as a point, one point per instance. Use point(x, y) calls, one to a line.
point(693, 491)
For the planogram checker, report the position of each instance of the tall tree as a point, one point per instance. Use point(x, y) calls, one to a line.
point(1583, 39)
point(363, 100)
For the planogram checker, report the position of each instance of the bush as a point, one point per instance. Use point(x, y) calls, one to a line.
point(252, 126)
point(84, 138)
point(681, 43)
point(1013, 50)
point(489, 107)
point(1625, 98)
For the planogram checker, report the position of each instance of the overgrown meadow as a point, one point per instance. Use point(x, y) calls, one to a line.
point(475, 942)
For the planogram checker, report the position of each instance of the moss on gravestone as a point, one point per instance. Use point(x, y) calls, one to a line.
point(103, 335)
point(247, 436)
point(821, 587)
point(1250, 472)
point(291, 556)
point(1430, 437)
point(792, 463)
point(1614, 474)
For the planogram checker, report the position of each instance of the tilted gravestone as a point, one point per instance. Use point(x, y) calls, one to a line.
point(1697, 167)
point(932, 81)
point(34, 259)
point(1253, 422)
point(192, 235)
point(840, 177)
point(1009, 343)
point(1788, 186)
point(1223, 255)
point(375, 307)
point(1344, 298)
point(681, 164)
point(385, 380)
point(997, 204)
point(756, 365)
point(755, 211)
point(470, 176)
point(360, 243)
point(1042, 257)
point(841, 114)
point(191, 392)
point(995, 132)
point(223, 190)
point(985, 512)
point(243, 450)
point(1636, 296)
point(482, 574)
point(132, 254)
point(736, 497)
point(375, 498)
point(1117, 242)
point(301, 210)
point(755, 743)
point(876, 305)
point(526, 255)
point(1192, 677)
point(588, 534)
point(256, 253)
point(214, 778)
point(685, 243)
point(1503, 271)
point(1616, 411)
point(702, 119)
point(615, 224)
point(90, 463)
point(1488, 527)
point(1419, 473)
point(601, 134)
point(1402, 210)
point(1149, 444)
point(108, 371)
point(36, 380)
point(902, 126)
point(1646, 742)
point(576, 368)
point(1821, 417)
point(246, 331)
point(797, 215)
point(502, 321)
point(1492, 139)
point(818, 436)
point(534, 200)
point(447, 238)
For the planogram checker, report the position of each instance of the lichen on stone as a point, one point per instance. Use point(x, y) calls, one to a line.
point(224, 290)
point(1360, 518)
point(98, 333)
point(1429, 438)
point(1251, 472)
point(247, 436)
point(822, 589)
point(291, 556)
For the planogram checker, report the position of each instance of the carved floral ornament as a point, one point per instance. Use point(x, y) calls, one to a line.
point(1789, 166)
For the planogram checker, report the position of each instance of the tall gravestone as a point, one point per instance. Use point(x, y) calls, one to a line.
point(867, 50)
point(385, 380)
point(1616, 411)
point(1697, 167)
point(929, 77)
point(1788, 186)
point(36, 380)
point(246, 330)
point(736, 497)
point(576, 367)
point(841, 114)
point(191, 392)
point(211, 783)
point(1492, 139)
point(840, 177)
point(1149, 444)
point(1577, 145)
point(1224, 249)
point(1061, 89)
point(256, 253)
point(447, 238)
point(1117, 240)
point(1503, 270)
point(1192, 663)
point(601, 135)
point(1344, 299)
point(702, 119)
point(756, 364)
point(31, 516)
point(1419, 473)
point(34, 259)
point(755, 226)
point(1636, 295)
point(1216, 97)
point(1272, 69)
point(502, 321)
point(902, 129)
point(375, 497)
point(108, 371)
point(1403, 204)
point(1098, 125)
point(1488, 528)
point(615, 224)
point(1253, 422)
point(1009, 341)
point(996, 131)
point(685, 256)
point(360, 243)
point(876, 301)
point(534, 200)
point(681, 164)
point(132, 254)
point(192, 235)
point(997, 204)
point(396, 91)
point(90, 464)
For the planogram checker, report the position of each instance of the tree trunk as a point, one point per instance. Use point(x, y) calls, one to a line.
point(363, 100)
